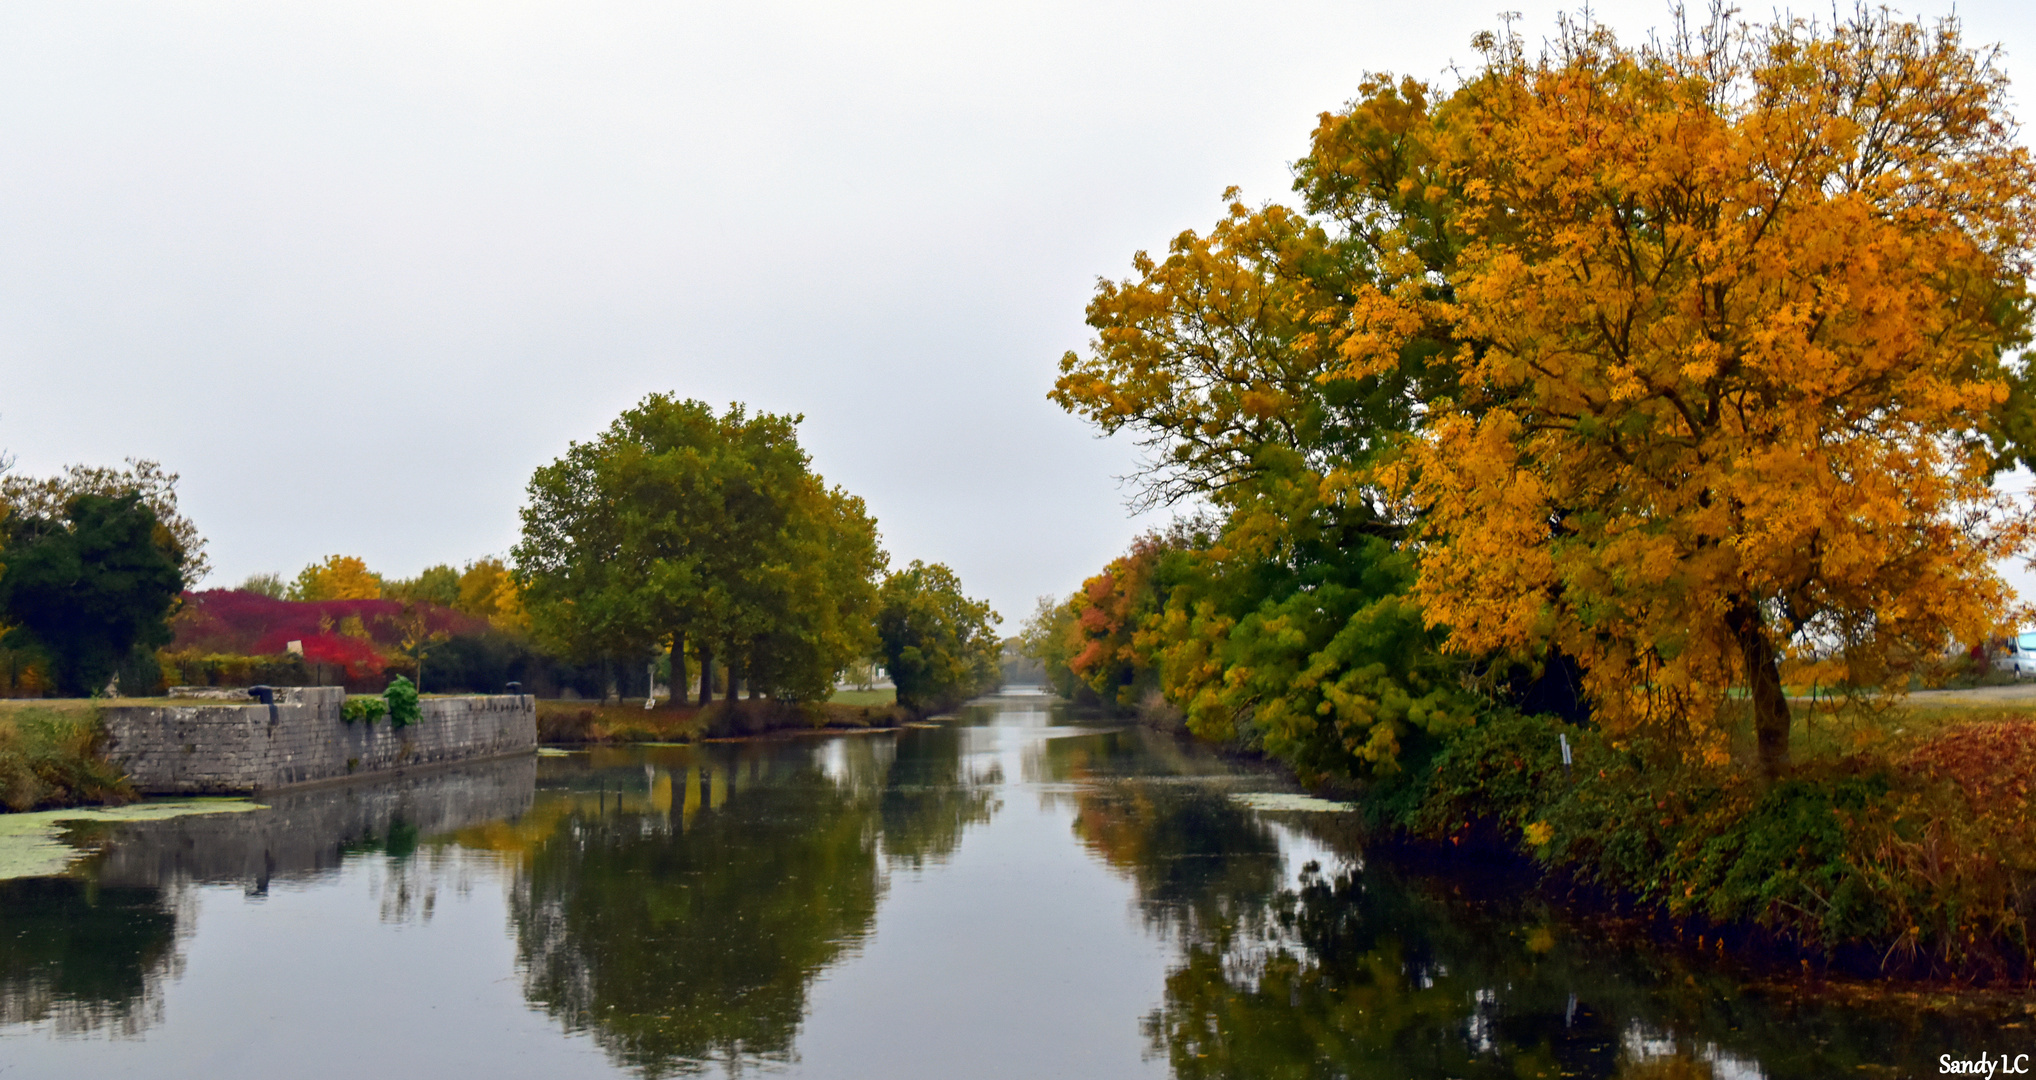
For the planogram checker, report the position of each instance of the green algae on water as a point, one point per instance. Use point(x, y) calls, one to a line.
point(30, 844)
point(1280, 800)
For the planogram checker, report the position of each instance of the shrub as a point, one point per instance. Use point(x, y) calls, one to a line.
point(51, 758)
point(360, 708)
point(193, 668)
point(1926, 862)
point(402, 701)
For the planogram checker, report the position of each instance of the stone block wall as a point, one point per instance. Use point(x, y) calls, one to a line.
point(219, 747)
point(307, 831)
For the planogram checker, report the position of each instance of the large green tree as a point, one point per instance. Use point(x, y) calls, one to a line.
point(683, 527)
point(88, 587)
point(49, 496)
point(941, 647)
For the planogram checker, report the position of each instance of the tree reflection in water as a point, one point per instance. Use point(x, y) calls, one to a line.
point(1361, 971)
point(1348, 966)
point(678, 903)
point(85, 958)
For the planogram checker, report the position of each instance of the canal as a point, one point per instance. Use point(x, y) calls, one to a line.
point(1012, 892)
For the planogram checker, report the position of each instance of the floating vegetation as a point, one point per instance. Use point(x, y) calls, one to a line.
point(1282, 800)
point(31, 844)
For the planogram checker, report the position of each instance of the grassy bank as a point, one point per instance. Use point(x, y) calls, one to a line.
point(1901, 844)
point(593, 722)
point(50, 757)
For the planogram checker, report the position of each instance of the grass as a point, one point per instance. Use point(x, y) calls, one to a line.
point(79, 706)
point(886, 696)
point(49, 757)
point(593, 722)
point(1835, 729)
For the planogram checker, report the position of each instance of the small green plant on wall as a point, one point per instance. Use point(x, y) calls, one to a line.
point(402, 698)
point(364, 707)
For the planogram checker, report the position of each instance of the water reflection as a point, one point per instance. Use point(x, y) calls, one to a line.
point(1364, 969)
point(674, 910)
point(679, 902)
point(82, 958)
point(1299, 957)
point(92, 951)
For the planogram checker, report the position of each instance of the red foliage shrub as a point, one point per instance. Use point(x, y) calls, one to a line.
point(250, 624)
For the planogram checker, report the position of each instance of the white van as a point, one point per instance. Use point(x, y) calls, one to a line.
point(2019, 656)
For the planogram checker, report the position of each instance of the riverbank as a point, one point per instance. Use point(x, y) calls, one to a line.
point(51, 756)
point(1901, 845)
point(1900, 848)
point(579, 722)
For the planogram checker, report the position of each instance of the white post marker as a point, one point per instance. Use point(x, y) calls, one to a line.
point(1564, 739)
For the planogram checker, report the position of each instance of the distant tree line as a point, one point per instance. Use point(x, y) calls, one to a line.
point(680, 546)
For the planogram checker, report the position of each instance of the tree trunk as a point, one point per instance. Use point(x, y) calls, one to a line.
point(678, 669)
point(1763, 679)
point(706, 675)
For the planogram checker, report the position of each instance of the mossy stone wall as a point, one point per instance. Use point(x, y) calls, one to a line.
point(220, 747)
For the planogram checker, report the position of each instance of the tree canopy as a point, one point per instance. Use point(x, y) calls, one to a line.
point(1677, 360)
point(679, 526)
point(338, 577)
point(1742, 304)
point(940, 646)
point(88, 587)
point(49, 497)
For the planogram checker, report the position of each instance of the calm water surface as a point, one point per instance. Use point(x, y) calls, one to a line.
point(1010, 894)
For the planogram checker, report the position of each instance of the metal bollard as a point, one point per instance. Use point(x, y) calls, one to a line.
point(267, 696)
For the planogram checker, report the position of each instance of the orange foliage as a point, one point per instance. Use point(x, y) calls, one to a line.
point(1109, 610)
point(1739, 305)
point(1994, 764)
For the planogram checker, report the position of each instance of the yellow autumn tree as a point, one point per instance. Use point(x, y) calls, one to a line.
point(339, 577)
point(1737, 314)
point(488, 588)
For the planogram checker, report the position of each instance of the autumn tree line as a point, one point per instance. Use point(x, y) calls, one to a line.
point(1623, 385)
point(680, 540)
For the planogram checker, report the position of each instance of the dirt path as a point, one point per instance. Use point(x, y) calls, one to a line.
point(2016, 694)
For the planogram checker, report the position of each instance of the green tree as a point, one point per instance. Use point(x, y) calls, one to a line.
point(433, 585)
point(679, 527)
point(90, 587)
point(940, 646)
point(270, 585)
point(1051, 636)
point(50, 497)
point(820, 598)
point(1230, 362)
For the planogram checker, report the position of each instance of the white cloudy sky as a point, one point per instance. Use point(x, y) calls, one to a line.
point(355, 269)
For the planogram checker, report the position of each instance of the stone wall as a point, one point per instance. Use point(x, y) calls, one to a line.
point(218, 747)
point(308, 831)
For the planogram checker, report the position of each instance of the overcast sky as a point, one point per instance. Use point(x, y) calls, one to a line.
point(355, 269)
